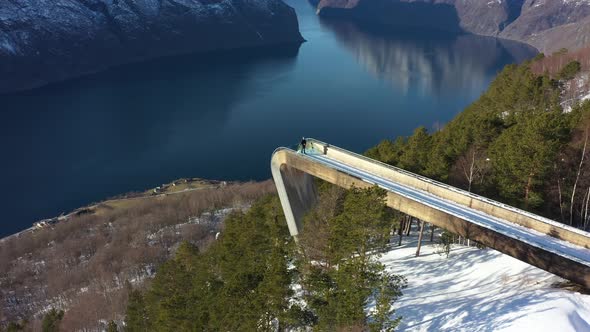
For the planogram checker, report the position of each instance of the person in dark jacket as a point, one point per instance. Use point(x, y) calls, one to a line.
point(303, 144)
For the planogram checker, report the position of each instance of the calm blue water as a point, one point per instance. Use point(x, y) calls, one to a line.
point(220, 116)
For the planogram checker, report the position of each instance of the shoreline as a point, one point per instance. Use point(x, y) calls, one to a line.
point(176, 187)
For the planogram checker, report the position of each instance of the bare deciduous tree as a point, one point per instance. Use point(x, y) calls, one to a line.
point(420, 237)
point(580, 165)
point(473, 166)
point(553, 64)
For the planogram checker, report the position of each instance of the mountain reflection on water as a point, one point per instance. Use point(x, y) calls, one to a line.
point(430, 62)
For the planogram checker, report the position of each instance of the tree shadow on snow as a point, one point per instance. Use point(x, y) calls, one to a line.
point(466, 303)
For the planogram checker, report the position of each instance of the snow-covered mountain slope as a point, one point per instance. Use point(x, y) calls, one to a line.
point(50, 40)
point(481, 290)
point(551, 25)
point(546, 24)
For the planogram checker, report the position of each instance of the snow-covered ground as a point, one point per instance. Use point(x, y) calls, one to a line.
point(481, 290)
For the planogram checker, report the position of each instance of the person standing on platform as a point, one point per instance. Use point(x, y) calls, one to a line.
point(303, 144)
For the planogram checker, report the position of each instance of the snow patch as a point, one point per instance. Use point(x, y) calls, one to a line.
point(481, 290)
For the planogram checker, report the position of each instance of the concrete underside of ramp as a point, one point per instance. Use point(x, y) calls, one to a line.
point(568, 257)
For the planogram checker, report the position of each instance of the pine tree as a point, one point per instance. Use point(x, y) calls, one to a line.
point(570, 70)
point(51, 320)
point(136, 318)
point(112, 327)
point(15, 327)
point(389, 289)
point(416, 152)
point(172, 291)
point(522, 157)
point(363, 225)
point(253, 263)
point(339, 291)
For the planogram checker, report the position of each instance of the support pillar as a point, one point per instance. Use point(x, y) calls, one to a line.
point(297, 192)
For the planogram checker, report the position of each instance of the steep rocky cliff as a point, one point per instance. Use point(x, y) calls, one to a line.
point(51, 40)
point(546, 24)
point(552, 24)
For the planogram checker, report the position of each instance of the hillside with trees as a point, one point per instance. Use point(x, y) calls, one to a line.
point(87, 265)
point(249, 279)
point(572, 68)
point(515, 144)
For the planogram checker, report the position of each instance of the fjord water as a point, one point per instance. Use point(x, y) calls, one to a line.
point(220, 116)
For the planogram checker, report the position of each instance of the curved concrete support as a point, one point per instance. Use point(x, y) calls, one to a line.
point(541, 242)
point(296, 190)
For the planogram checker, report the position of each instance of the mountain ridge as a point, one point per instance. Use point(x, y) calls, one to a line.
point(44, 41)
point(540, 23)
